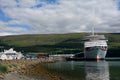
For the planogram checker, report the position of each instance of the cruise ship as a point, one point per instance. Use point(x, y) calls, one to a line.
point(95, 47)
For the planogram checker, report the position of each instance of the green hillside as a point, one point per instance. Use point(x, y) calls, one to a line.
point(54, 43)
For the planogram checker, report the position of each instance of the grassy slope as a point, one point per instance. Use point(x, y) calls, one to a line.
point(55, 43)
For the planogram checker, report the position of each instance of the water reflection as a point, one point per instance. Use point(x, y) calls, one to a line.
point(97, 70)
point(80, 70)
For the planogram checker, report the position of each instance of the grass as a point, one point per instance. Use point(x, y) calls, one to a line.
point(3, 68)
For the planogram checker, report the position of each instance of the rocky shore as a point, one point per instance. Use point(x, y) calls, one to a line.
point(27, 69)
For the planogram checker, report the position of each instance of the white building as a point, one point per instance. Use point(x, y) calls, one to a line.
point(3, 56)
point(10, 54)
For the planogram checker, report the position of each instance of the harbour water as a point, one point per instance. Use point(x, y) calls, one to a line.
point(85, 70)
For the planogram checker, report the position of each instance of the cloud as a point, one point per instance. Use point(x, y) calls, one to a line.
point(60, 16)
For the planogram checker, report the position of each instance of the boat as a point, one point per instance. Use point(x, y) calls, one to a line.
point(95, 47)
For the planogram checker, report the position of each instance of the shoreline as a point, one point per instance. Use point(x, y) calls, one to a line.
point(27, 69)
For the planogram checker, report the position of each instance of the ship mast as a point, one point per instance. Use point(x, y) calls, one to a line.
point(93, 32)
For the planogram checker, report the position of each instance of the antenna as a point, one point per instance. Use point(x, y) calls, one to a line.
point(93, 33)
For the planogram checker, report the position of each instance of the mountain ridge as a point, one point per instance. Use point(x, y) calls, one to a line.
point(56, 43)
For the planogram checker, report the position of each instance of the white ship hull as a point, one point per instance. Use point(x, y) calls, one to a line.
point(95, 49)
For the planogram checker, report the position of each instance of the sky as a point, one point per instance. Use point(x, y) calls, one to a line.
point(58, 16)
